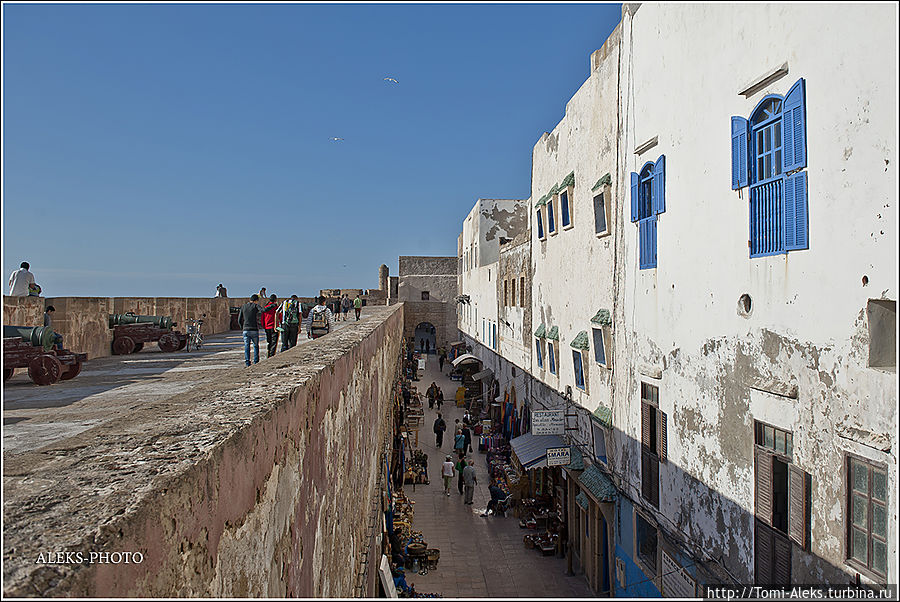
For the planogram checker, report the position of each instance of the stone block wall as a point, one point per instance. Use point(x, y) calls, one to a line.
point(23, 311)
point(260, 484)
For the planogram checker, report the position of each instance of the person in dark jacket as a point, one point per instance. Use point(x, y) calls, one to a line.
point(248, 318)
point(269, 323)
point(439, 427)
point(468, 436)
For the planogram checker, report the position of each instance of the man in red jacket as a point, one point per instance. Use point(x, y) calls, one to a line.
point(268, 321)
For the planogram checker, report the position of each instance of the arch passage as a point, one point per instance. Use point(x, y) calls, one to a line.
point(426, 338)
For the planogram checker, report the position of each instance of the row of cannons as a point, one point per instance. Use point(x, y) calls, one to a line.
point(35, 347)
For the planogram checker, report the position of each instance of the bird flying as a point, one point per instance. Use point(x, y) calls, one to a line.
point(391, 79)
point(337, 139)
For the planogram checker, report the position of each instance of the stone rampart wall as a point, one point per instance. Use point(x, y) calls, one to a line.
point(258, 485)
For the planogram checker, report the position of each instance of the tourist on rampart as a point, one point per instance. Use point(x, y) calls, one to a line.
point(357, 306)
point(20, 280)
point(221, 293)
point(248, 318)
point(345, 307)
point(320, 319)
point(269, 324)
point(290, 322)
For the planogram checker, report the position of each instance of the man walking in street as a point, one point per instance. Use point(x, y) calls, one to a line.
point(19, 281)
point(320, 319)
point(460, 466)
point(357, 306)
point(269, 323)
point(345, 307)
point(442, 357)
point(467, 434)
point(470, 480)
point(290, 322)
point(248, 318)
point(439, 427)
point(447, 473)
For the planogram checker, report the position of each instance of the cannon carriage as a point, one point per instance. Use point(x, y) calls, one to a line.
point(32, 348)
point(131, 331)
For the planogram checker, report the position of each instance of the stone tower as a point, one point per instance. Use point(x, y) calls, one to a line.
point(383, 278)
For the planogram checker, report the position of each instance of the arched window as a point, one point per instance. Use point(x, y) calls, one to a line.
point(648, 200)
point(766, 140)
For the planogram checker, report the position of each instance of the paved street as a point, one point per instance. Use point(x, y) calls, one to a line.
point(481, 557)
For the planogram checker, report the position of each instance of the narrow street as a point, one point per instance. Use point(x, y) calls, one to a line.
point(481, 557)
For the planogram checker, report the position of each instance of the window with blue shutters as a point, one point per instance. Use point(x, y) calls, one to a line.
point(768, 153)
point(551, 358)
point(648, 200)
point(599, 347)
point(540, 223)
point(538, 347)
point(551, 222)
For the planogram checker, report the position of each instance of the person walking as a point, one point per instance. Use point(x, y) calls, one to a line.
point(357, 306)
point(248, 318)
point(447, 472)
point(345, 307)
point(320, 320)
point(460, 465)
point(269, 324)
point(290, 322)
point(439, 427)
point(20, 280)
point(459, 443)
point(470, 480)
point(439, 400)
point(442, 357)
point(468, 436)
point(221, 292)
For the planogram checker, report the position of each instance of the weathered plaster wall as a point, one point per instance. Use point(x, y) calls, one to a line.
point(717, 370)
point(514, 319)
point(23, 311)
point(259, 485)
point(574, 267)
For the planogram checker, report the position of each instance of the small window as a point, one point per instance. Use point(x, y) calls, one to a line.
point(494, 336)
point(647, 544)
point(505, 293)
point(551, 221)
point(599, 442)
point(600, 214)
point(579, 370)
point(425, 296)
point(564, 208)
point(599, 349)
point(867, 526)
point(551, 358)
point(540, 222)
point(522, 291)
point(512, 288)
point(774, 439)
point(538, 350)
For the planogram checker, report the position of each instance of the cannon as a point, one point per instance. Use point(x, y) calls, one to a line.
point(32, 348)
point(164, 322)
point(131, 331)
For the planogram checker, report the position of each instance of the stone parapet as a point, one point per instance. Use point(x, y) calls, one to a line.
point(259, 484)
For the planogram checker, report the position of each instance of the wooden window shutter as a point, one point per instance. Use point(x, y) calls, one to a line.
point(661, 436)
point(793, 130)
point(764, 486)
point(739, 129)
point(654, 481)
point(659, 185)
point(645, 424)
point(763, 554)
point(634, 197)
point(782, 564)
point(798, 506)
point(796, 212)
point(646, 487)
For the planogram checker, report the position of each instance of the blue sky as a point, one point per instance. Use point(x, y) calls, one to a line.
point(157, 150)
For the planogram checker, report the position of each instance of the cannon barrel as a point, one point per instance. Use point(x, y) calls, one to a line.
point(38, 336)
point(130, 318)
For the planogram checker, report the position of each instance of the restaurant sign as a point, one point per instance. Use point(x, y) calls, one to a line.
point(558, 456)
point(548, 422)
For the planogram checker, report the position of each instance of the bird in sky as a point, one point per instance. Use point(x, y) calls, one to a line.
point(337, 139)
point(391, 79)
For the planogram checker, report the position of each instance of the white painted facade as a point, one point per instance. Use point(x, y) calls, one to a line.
point(667, 82)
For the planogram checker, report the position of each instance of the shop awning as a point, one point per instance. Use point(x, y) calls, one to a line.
point(602, 318)
point(541, 331)
point(531, 450)
point(598, 484)
point(554, 333)
point(580, 341)
point(603, 415)
point(577, 459)
point(582, 500)
point(466, 357)
point(482, 375)
point(456, 343)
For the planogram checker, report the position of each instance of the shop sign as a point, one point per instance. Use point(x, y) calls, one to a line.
point(558, 456)
point(676, 581)
point(548, 422)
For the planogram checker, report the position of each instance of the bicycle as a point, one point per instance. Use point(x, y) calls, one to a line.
point(194, 333)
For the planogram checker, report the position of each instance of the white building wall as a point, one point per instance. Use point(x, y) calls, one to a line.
point(807, 329)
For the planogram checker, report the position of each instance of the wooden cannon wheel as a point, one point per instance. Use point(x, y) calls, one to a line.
point(44, 369)
point(168, 342)
point(182, 343)
point(71, 372)
point(137, 347)
point(7, 373)
point(123, 345)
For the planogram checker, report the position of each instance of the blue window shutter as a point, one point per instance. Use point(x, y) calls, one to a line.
point(634, 196)
point(540, 224)
point(739, 171)
point(796, 212)
point(659, 185)
point(794, 128)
